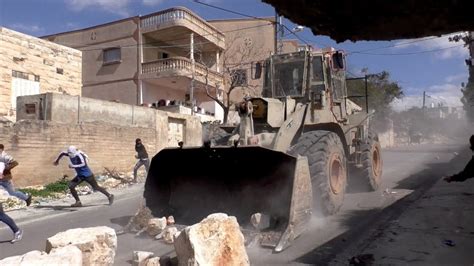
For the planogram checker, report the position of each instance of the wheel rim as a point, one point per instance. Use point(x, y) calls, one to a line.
point(336, 174)
point(376, 162)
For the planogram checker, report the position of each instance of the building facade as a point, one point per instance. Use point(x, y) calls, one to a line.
point(29, 65)
point(248, 41)
point(168, 57)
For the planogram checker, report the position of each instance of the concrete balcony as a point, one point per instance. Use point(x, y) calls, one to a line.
point(179, 67)
point(177, 23)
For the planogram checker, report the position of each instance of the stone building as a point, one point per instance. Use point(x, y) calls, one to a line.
point(248, 41)
point(29, 65)
point(148, 59)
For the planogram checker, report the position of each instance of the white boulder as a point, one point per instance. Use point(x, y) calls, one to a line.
point(216, 240)
point(64, 256)
point(97, 244)
point(156, 226)
point(169, 234)
point(140, 258)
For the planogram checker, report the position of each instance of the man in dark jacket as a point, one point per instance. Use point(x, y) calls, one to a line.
point(142, 157)
point(78, 161)
point(468, 171)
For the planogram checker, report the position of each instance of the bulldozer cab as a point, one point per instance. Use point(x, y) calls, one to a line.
point(306, 76)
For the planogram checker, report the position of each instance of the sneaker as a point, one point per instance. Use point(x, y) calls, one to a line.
point(18, 236)
point(28, 200)
point(111, 199)
point(77, 204)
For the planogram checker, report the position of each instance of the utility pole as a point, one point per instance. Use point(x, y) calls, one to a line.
point(282, 34)
point(191, 93)
point(275, 48)
point(424, 99)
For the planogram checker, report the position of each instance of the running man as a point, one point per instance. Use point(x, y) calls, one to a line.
point(142, 157)
point(78, 161)
point(7, 164)
point(18, 233)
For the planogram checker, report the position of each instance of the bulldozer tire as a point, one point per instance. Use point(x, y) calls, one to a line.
point(327, 165)
point(371, 159)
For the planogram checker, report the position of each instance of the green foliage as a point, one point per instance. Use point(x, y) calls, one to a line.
point(48, 190)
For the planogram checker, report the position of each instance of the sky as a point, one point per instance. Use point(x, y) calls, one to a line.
point(432, 64)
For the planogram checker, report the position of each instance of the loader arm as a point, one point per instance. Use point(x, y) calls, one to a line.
point(290, 128)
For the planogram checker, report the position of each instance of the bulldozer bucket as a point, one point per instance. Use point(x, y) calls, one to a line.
point(191, 183)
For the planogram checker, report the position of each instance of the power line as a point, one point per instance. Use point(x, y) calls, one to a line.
point(396, 45)
point(405, 43)
point(232, 11)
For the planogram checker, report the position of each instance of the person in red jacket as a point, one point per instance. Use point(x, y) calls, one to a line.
point(468, 171)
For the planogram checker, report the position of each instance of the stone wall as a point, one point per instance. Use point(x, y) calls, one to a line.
point(106, 131)
point(35, 144)
point(43, 64)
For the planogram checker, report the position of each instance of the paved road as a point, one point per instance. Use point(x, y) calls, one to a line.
point(407, 172)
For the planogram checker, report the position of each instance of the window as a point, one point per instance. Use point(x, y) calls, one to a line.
point(318, 69)
point(239, 77)
point(112, 55)
point(59, 70)
point(19, 74)
point(30, 108)
point(288, 78)
point(37, 78)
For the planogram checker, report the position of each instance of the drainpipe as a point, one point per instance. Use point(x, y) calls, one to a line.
point(191, 94)
point(139, 62)
point(218, 69)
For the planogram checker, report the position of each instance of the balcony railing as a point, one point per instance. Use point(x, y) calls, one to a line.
point(182, 64)
point(177, 14)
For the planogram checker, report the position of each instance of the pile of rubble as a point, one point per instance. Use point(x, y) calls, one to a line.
point(80, 246)
point(160, 228)
point(10, 202)
point(216, 240)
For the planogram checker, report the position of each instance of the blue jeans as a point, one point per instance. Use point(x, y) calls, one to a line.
point(8, 220)
point(141, 162)
point(8, 186)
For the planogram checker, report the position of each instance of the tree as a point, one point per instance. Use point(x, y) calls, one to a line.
point(236, 61)
point(382, 91)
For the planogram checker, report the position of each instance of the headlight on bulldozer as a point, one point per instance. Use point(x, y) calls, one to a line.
point(259, 108)
point(268, 111)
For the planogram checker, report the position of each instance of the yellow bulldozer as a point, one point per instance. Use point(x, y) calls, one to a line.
point(288, 157)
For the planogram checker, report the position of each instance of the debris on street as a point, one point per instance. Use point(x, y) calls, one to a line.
point(169, 234)
point(68, 255)
point(362, 260)
point(449, 243)
point(156, 226)
point(98, 244)
point(216, 240)
point(144, 258)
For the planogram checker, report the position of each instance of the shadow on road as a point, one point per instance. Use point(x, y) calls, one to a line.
point(365, 225)
point(122, 221)
point(65, 207)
